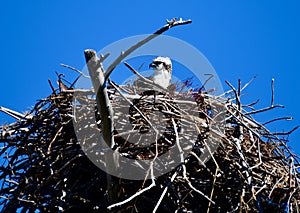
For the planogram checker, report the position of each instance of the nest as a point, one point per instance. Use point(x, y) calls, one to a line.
point(45, 169)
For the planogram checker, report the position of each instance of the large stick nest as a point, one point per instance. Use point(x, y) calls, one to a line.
point(45, 169)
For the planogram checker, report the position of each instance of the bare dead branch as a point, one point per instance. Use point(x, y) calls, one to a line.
point(286, 133)
point(143, 78)
point(278, 119)
point(102, 99)
point(124, 54)
point(74, 69)
point(264, 109)
point(51, 85)
point(273, 93)
point(14, 114)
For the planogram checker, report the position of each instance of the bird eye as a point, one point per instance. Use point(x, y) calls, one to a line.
point(157, 62)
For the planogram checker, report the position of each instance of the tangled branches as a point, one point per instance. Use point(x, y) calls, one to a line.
point(45, 169)
point(225, 161)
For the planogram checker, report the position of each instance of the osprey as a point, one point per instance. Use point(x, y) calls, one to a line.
point(162, 71)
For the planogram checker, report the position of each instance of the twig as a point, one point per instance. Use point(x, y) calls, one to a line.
point(14, 114)
point(272, 86)
point(54, 138)
point(252, 104)
point(277, 119)
point(51, 85)
point(206, 81)
point(248, 83)
point(239, 88)
point(285, 133)
point(264, 109)
point(74, 69)
point(142, 78)
point(236, 94)
point(133, 196)
point(164, 192)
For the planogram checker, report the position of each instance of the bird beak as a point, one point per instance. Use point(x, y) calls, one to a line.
point(152, 65)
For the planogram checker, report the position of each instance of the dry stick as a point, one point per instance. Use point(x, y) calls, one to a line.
point(215, 175)
point(277, 119)
point(54, 138)
point(264, 109)
point(235, 93)
point(135, 195)
point(237, 141)
point(164, 192)
point(291, 185)
point(248, 83)
point(213, 186)
point(272, 86)
point(250, 106)
point(253, 103)
point(51, 85)
point(184, 171)
point(258, 150)
point(14, 114)
point(143, 78)
point(206, 81)
point(245, 125)
point(175, 174)
point(273, 120)
point(124, 54)
point(285, 133)
point(74, 69)
point(283, 176)
point(239, 92)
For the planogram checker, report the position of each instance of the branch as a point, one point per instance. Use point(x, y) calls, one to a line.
point(236, 93)
point(136, 194)
point(76, 70)
point(142, 78)
point(51, 85)
point(264, 109)
point(285, 133)
point(14, 114)
point(248, 83)
point(102, 99)
point(272, 99)
point(277, 119)
point(124, 54)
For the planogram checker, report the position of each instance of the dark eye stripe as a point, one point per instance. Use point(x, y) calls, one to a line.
point(160, 62)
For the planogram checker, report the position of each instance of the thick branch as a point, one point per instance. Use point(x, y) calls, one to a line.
point(102, 100)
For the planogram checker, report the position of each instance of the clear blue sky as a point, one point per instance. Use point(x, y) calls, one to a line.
point(241, 39)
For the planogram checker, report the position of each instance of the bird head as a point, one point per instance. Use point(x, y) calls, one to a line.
point(162, 64)
point(162, 71)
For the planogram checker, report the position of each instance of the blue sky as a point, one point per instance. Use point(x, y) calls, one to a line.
point(241, 39)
